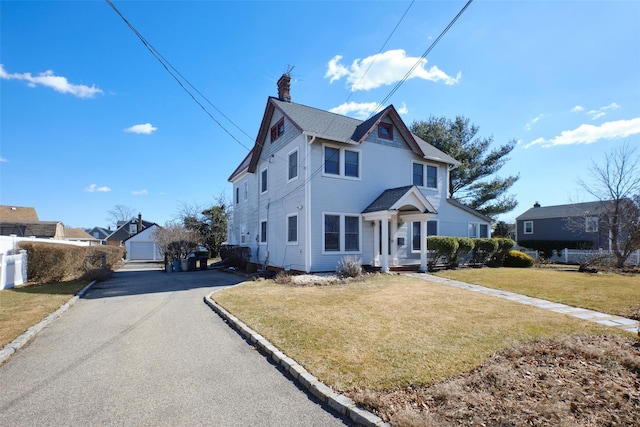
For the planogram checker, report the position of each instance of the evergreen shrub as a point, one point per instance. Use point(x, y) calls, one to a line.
point(518, 259)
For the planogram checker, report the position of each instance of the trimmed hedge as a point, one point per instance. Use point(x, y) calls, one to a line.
point(483, 249)
point(518, 259)
point(51, 262)
point(465, 246)
point(504, 246)
point(443, 247)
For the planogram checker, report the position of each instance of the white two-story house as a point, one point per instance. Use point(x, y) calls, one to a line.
point(319, 186)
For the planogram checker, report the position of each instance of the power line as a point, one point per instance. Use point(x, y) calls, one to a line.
point(393, 91)
point(175, 73)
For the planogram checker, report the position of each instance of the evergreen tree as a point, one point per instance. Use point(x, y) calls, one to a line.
point(472, 182)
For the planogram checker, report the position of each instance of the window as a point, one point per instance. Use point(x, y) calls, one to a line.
point(331, 233)
point(415, 236)
point(432, 230)
point(246, 191)
point(331, 161)
point(293, 165)
point(292, 228)
point(341, 233)
point(237, 195)
point(473, 229)
point(342, 162)
point(528, 227)
point(351, 233)
point(432, 177)
point(96, 235)
point(277, 130)
point(351, 163)
point(263, 232)
point(385, 131)
point(591, 224)
point(418, 175)
point(419, 172)
point(484, 230)
point(263, 181)
point(133, 228)
point(243, 238)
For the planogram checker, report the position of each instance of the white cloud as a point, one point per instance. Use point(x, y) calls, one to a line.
point(57, 83)
point(94, 188)
point(360, 110)
point(145, 128)
point(577, 109)
point(3, 160)
point(403, 109)
point(384, 68)
point(596, 114)
point(140, 192)
point(535, 120)
point(588, 134)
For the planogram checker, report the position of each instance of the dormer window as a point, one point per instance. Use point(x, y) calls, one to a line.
point(385, 131)
point(277, 130)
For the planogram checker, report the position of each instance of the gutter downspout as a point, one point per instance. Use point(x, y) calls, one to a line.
point(307, 194)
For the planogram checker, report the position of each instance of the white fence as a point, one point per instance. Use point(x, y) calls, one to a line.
point(13, 261)
point(576, 256)
point(13, 270)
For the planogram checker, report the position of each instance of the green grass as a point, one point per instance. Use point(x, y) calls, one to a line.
point(606, 292)
point(390, 331)
point(25, 306)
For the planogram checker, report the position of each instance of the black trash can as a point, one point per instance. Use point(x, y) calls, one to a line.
point(192, 263)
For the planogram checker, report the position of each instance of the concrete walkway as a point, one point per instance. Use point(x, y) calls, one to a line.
point(628, 325)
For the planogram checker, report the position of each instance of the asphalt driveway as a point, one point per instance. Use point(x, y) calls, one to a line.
point(143, 349)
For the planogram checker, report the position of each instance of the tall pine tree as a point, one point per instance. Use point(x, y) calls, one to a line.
point(471, 183)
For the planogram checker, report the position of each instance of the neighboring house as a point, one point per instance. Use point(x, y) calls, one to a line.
point(40, 229)
point(18, 213)
point(319, 186)
point(79, 235)
point(571, 222)
point(127, 229)
point(100, 233)
point(142, 246)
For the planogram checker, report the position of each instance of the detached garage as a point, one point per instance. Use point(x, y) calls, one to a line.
point(142, 247)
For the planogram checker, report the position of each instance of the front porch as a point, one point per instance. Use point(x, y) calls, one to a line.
point(387, 214)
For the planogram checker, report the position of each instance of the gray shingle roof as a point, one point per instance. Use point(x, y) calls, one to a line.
point(387, 199)
point(564, 211)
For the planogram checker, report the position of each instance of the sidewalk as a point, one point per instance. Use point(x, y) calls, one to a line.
point(628, 325)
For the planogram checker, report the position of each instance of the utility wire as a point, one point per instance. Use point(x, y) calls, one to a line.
point(393, 91)
point(175, 73)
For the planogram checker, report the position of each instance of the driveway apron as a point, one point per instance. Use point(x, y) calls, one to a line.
point(143, 349)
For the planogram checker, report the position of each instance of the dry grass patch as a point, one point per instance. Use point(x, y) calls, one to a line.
point(390, 332)
point(25, 306)
point(606, 292)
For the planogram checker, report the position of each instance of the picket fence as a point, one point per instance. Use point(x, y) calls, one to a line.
point(576, 256)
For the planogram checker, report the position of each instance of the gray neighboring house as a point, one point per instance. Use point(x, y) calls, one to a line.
point(576, 221)
point(100, 233)
point(127, 229)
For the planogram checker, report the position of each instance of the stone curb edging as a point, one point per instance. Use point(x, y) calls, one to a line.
point(23, 339)
point(338, 402)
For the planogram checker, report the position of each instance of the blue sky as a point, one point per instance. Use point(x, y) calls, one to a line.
point(90, 119)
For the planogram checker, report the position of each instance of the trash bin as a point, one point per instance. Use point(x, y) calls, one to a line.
point(176, 265)
point(192, 263)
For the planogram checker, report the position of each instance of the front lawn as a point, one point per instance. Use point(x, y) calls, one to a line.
point(390, 331)
point(606, 292)
point(25, 306)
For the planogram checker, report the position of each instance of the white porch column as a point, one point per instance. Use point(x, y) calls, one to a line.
point(394, 240)
point(385, 246)
point(376, 243)
point(423, 246)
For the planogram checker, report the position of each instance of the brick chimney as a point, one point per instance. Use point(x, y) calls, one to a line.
point(284, 87)
point(139, 229)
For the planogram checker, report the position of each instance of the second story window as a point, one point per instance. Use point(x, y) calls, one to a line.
point(591, 224)
point(277, 130)
point(425, 175)
point(293, 165)
point(263, 181)
point(342, 162)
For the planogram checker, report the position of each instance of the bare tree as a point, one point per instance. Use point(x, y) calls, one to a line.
point(176, 241)
point(120, 213)
point(616, 184)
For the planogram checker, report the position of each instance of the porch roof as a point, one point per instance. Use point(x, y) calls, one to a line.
point(398, 199)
